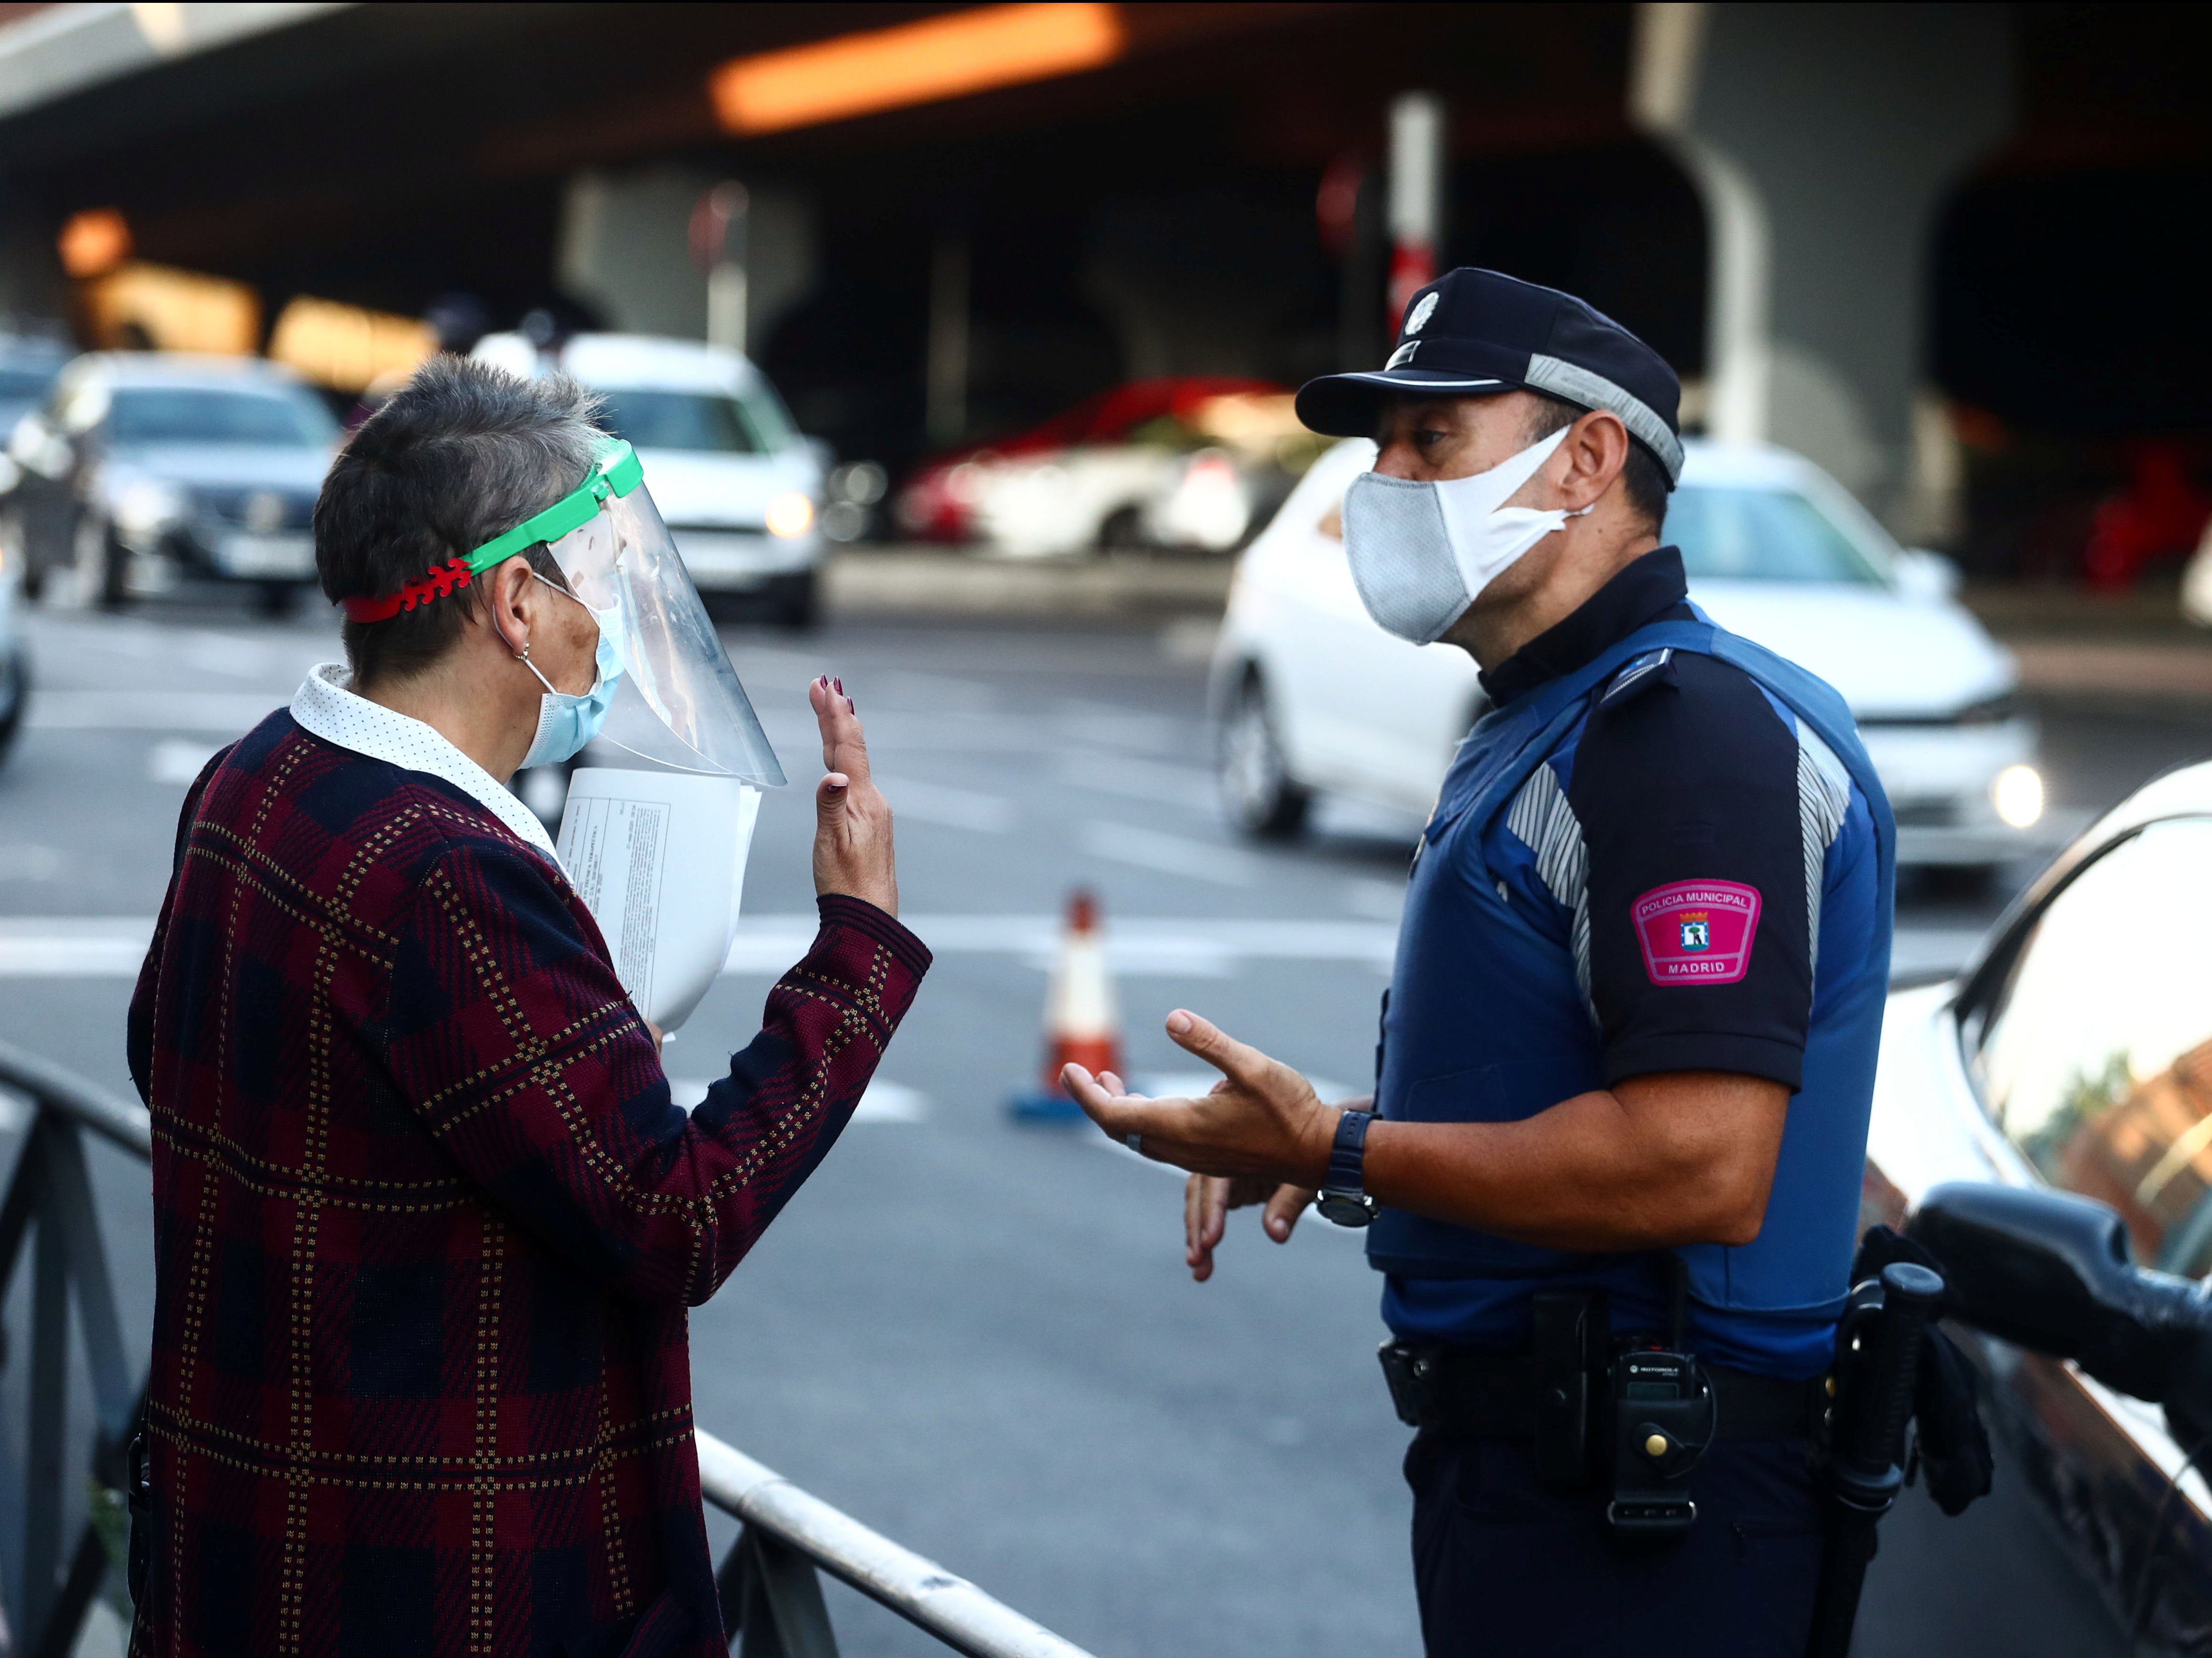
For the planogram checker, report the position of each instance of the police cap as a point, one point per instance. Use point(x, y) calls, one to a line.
point(1474, 332)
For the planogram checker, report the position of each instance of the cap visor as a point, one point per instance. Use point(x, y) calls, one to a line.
point(1350, 405)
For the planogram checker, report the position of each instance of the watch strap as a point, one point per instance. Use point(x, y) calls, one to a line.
point(1347, 1154)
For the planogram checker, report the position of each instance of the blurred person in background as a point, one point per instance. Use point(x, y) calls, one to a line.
point(1628, 1050)
point(429, 1223)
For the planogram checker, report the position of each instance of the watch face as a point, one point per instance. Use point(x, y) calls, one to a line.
point(1345, 1209)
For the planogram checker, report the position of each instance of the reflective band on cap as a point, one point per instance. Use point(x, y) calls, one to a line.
point(1578, 384)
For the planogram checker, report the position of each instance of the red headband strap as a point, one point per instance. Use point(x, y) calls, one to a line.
point(454, 573)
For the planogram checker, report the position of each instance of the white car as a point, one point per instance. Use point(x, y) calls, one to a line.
point(1309, 695)
point(2074, 1055)
point(739, 489)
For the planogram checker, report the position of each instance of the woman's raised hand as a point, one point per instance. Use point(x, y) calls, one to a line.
point(852, 852)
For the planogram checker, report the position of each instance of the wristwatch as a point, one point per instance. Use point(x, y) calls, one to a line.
point(1340, 1198)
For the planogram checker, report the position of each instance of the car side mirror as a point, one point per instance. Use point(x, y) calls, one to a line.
point(2054, 1272)
point(1929, 577)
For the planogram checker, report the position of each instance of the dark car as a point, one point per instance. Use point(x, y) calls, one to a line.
point(2071, 1066)
point(141, 469)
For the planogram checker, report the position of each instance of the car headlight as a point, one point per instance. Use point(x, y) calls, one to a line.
point(790, 514)
point(148, 507)
point(2017, 793)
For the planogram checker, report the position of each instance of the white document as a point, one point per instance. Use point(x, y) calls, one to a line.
point(660, 860)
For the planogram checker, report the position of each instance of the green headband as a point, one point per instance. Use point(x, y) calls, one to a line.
point(615, 472)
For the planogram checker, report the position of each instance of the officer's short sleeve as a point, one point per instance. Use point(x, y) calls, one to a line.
point(1685, 783)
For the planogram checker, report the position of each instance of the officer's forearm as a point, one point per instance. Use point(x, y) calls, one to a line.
point(1678, 1157)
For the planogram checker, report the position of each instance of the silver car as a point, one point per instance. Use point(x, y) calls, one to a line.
point(143, 467)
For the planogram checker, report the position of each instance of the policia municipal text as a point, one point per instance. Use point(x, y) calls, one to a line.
point(1614, 1154)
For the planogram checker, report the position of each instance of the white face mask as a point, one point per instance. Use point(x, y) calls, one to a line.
point(1421, 553)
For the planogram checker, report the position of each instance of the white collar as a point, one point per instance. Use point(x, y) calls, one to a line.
point(324, 706)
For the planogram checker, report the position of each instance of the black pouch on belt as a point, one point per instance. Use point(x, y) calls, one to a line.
point(1569, 1340)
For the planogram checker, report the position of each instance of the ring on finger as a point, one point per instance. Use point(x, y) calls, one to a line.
point(1135, 1143)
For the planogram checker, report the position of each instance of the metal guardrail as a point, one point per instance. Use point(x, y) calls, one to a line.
point(50, 1200)
point(769, 1592)
point(771, 1596)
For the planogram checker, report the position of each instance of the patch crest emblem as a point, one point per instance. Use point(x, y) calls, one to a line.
point(1422, 312)
point(1697, 933)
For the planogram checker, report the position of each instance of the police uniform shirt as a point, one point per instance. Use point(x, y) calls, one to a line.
point(1703, 855)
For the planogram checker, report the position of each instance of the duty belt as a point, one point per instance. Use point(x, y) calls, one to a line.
point(1475, 1393)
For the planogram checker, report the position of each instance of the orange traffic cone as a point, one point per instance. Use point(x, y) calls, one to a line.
point(1082, 1024)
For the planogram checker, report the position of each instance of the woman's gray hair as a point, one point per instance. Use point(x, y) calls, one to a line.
point(461, 454)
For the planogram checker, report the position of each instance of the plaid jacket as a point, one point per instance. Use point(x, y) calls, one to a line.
point(427, 1225)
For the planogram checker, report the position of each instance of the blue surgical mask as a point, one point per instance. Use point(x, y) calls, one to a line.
point(567, 723)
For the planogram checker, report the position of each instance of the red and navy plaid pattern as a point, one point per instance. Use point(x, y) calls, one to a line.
point(427, 1225)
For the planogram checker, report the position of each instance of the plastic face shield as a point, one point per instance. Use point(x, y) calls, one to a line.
point(680, 703)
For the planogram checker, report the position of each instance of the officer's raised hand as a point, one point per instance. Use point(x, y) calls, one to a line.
point(1262, 1118)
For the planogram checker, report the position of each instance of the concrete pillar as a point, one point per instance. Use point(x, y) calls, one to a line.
point(1822, 139)
point(945, 394)
point(625, 247)
point(32, 289)
point(1417, 167)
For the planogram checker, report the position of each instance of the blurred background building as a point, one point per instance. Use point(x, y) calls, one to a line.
point(1951, 253)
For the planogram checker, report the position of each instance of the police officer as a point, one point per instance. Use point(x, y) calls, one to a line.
point(1614, 1158)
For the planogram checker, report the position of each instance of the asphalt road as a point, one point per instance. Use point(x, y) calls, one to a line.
point(976, 1335)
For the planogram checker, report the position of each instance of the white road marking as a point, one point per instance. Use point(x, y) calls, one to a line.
point(884, 1102)
point(29, 863)
point(1136, 945)
point(74, 947)
point(1125, 843)
point(1139, 779)
point(228, 714)
point(934, 803)
point(175, 760)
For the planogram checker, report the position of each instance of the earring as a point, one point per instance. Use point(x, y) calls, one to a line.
point(523, 655)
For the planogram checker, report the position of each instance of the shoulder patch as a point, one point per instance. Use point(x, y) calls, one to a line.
point(1639, 675)
point(1697, 933)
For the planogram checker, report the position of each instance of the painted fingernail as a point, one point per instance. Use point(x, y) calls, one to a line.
point(841, 687)
point(851, 707)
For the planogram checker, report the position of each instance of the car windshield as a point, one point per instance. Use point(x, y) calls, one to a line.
point(195, 414)
point(707, 422)
point(1734, 534)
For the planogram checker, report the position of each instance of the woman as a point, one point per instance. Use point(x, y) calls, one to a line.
point(428, 1223)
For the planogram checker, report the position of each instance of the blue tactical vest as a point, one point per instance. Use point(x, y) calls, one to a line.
point(1485, 1022)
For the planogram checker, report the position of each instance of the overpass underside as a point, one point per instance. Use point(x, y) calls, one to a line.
point(1911, 242)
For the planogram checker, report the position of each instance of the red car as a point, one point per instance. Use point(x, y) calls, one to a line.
point(938, 501)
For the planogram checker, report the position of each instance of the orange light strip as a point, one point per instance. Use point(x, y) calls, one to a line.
point(922, 63)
